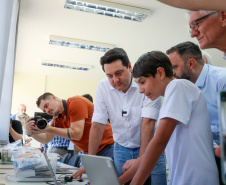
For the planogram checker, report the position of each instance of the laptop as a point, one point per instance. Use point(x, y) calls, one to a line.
point(100, 170)
point(45, 177)
point(51, 170)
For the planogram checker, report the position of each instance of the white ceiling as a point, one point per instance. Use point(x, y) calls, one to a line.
point(38, 19)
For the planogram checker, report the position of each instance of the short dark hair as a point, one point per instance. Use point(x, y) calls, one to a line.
point(148, 63)
point(113, 55)
point(187, 50)
point(88, 96)
point(45, 96)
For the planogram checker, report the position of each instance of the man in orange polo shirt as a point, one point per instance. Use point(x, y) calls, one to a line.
point(71, 120)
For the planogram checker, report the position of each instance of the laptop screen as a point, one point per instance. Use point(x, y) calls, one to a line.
point(51, 170)
point(100, 170)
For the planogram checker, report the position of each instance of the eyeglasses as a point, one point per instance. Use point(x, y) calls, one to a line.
point(195, 24)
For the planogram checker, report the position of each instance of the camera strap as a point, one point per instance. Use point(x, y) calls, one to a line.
point(65, 113)
point(65, 109)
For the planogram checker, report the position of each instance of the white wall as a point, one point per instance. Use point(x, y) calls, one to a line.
point(67, 87)
point(28, 87)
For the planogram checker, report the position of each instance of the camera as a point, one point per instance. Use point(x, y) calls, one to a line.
point(40, 122)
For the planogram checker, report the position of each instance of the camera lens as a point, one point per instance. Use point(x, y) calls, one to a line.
point(41, 123)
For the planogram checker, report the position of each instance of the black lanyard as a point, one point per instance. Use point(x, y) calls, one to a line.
point(65, 109)
point(65, 112)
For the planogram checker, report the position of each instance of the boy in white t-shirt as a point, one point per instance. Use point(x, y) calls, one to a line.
point(183, 129)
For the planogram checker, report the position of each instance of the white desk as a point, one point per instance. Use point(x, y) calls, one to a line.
point(8, 168)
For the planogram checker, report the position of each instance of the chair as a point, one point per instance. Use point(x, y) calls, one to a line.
point(74, 160)
point(66, 158)
point(78, 164)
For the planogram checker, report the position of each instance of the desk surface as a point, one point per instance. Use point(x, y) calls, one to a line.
point(8, 168)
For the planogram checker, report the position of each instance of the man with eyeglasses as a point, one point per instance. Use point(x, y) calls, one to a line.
point(187, 62)
point(209, 28)
point(210, 31)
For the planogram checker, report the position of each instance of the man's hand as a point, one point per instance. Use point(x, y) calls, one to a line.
point(79, 173)
point(128, 164)
point(31, 127)
point(41, 135)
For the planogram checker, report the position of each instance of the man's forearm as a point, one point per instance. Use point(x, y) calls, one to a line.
point(42, 138)
point(197, 4)
point(50, 133)
point(15, 135)
point(148, 162)
point(147, 133)
point(75, 132)
point(154, 149)
point(67, 133)
point(95, 137)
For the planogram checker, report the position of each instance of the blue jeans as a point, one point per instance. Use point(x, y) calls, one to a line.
point(122, 154)
point(107, 152)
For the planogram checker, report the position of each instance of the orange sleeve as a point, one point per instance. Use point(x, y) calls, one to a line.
point(77, 109)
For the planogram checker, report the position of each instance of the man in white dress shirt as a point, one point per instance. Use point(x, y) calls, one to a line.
point(131, 114)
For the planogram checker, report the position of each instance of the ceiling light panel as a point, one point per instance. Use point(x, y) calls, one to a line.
point(109, 9)
point(82, 44)
point(67, 65)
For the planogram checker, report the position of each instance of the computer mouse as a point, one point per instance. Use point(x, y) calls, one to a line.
point(68, 178)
